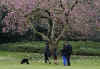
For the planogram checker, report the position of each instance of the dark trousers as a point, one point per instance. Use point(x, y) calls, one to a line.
point(46, 58)
point(68, 60)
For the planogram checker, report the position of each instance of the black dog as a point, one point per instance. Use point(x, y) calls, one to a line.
point(25, 60)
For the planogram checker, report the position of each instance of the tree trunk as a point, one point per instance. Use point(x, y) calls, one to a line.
point(53, 45)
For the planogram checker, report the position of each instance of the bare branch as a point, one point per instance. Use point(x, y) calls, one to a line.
point(34, 29)
point(62, 33)
point(44, 36)
point(67, 17)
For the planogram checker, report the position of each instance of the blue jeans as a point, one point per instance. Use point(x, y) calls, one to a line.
point(64, 60)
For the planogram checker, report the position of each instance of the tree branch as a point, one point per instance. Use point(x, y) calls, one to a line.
point(52, 31)
point(67, 17)
point(62, 33)
point(43, 35)
point(50, 24)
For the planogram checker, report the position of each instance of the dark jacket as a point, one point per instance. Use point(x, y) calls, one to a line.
point(64, 51)
point(67, 50)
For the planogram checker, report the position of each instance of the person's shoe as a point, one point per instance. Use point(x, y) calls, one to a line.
point(65, 65)
point(69, 65)
point(56, 63)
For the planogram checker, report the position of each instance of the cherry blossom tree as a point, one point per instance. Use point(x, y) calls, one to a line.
point(59, 16)
point(3, 12)
point(56, 17)
point(15, 21)
point(83, 19)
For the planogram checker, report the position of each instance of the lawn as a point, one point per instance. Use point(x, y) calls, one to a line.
point(12, 53)
point(11, 60)
point(79, 47)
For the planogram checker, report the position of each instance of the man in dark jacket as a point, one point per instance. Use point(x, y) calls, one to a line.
point(66, 54)
point(47, 54)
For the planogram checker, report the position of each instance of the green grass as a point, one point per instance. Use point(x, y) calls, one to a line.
point(79, 47)
point(34, 65)
point(11, 60)
point(12, 53)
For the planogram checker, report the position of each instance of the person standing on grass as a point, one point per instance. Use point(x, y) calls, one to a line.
point(69, 52)
point(47, 54)
point(64, 55)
